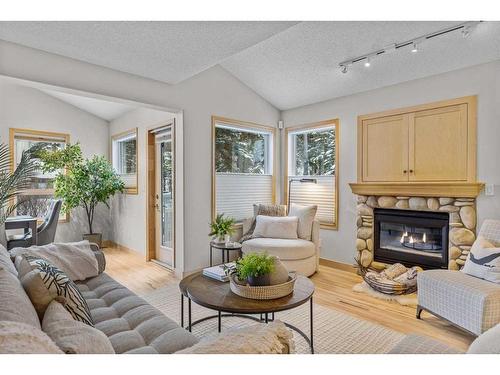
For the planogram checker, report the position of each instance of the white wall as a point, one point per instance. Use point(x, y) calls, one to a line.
point(212, 92)
point(128, 211)
point(28, 108)
point(482, 80)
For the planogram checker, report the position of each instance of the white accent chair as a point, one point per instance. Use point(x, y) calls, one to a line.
point(297, 255)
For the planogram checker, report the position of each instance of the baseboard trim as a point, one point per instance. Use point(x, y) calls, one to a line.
point(338, 265)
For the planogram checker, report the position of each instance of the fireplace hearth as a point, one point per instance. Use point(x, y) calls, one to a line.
point(414, 238)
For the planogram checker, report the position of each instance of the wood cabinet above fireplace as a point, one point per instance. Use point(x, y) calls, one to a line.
point(431, 143)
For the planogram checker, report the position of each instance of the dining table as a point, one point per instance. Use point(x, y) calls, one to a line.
point(26, 222)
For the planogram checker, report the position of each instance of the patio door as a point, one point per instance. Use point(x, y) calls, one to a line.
point(164, 197)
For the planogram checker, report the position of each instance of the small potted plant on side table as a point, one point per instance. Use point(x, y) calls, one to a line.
point(255, 269)
point(222, 228)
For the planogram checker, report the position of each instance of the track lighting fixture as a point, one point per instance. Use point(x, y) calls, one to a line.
point(465, 28)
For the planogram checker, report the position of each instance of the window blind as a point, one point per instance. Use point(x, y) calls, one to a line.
point(322, 194)
point(236, 193)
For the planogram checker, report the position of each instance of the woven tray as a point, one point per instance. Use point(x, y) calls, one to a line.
point(262, 292)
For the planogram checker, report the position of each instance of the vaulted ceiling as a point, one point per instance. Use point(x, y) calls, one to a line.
point(288, 63)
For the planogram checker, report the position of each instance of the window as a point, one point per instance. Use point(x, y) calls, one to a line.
point(124, 158)
point(312, 156)
point(34, 200)
point(243, 170)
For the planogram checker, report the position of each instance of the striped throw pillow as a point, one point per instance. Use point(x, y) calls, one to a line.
point(45, 282)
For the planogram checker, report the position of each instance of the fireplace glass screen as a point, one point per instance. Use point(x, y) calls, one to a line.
point(412, 237)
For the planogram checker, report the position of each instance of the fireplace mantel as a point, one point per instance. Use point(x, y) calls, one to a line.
point(419, 189)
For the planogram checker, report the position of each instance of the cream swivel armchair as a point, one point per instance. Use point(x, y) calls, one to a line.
point(299, 255)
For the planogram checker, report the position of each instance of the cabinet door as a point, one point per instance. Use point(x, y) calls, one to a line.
point(438, 144)
point(385, 149)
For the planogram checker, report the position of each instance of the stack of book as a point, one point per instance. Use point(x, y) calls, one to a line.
point(219, 272)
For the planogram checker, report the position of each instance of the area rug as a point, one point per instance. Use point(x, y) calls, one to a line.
point(405, 300)
point(334, 332)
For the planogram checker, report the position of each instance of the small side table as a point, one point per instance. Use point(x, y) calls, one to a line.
point(232, 246)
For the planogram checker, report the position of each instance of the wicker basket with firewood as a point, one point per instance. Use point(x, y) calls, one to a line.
point(396, 279)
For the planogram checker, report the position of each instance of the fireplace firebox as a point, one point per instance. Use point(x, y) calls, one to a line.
point(413, 238)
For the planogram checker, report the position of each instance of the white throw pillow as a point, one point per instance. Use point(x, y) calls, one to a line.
point(483, 261)
point(306, 215)
point(284, 227)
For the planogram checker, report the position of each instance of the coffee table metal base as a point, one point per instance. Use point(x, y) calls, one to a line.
point(264, 318)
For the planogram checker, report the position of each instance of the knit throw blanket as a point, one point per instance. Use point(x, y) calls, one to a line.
point(265, 210)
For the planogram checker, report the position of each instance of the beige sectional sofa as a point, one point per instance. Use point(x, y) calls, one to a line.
point(131, 324)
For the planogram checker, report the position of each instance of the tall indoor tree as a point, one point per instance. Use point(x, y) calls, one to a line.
point(81, 182)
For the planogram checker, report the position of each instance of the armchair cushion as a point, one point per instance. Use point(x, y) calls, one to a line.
point(306, 215)
point(285, 249)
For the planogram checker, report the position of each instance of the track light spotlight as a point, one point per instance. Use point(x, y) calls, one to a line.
point(344, 68)
point(414, 48)
point(367, 62)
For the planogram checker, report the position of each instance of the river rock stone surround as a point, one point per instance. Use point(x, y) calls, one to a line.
point(463, 220)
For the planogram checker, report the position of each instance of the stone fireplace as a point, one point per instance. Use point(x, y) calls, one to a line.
point(415, 237)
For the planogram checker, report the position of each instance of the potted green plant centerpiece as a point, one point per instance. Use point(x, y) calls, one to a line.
point(12, 183)
point(255, 269)
point(222, 228)
point(81, 182)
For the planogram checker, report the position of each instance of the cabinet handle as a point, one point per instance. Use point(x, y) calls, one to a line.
point(404, 171)
point(411, 170)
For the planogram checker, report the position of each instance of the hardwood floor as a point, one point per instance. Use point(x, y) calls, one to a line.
point(333, 290)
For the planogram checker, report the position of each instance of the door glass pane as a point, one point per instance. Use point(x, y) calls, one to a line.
point(166, 194)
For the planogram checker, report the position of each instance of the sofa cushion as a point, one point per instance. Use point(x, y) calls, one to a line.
point(15, 305)
point(20, 338)
point(282, 248)
point(6, 262)
point(71, 336)
point(306, 215)
point(45, 282)
point(131, 324)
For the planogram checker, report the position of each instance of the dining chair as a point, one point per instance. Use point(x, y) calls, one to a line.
point(46, 231)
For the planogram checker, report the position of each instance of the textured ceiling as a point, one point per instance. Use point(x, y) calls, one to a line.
point(290, 64)
point(164, 51)
point(101, 108)
point(299, 65)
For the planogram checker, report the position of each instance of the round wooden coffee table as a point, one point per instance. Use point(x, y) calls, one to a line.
point(216, 295)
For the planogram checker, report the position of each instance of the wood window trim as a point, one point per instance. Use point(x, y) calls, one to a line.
point(115, 137)
point(244, 125)
point(313, 126)
point(36, 135)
